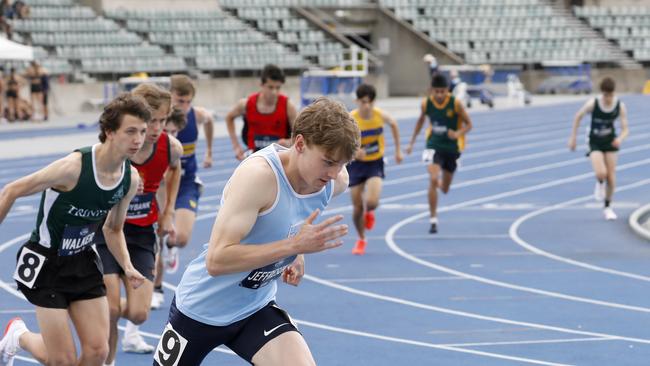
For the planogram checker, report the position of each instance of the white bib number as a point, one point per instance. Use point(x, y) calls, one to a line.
point(29, 266)
point(170, 347)
point(427, 156)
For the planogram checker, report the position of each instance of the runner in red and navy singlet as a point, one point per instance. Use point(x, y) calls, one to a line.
point(263, 129)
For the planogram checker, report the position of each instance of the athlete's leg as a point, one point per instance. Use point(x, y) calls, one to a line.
point(356, 193)
point(55, 344)
point(183, 223)
point(138, 301)
point(434, 173)
point(37, 102)
point(446, 180)
point(288, 348)
point(611, 157)
point(12, 109)
point(112, 282)
point(598, 163)
point(373, 192)
point(90, 318)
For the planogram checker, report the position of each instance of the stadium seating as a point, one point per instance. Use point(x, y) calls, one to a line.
point(213, 40)
point(628, 26)
point(275, 18)
point(505, 31)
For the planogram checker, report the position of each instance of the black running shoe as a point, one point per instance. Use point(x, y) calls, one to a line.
point(433, 229)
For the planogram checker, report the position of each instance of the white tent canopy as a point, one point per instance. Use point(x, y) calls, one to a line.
point(15, 51)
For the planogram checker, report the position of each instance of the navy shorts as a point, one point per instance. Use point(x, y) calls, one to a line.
point(141, 244)
point(186, 342)
point(361, 171)
point(188, 195)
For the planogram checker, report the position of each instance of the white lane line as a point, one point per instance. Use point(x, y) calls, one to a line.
point(390, 241)
point(424, 344)
point(449, 236)
point(473, 182)
point(396, 279)
point(514, 234)
point(466, 314)
point(541, 341)
point(409, 341)
point(17, 311)
point(26, 359)
point(221, 349)
point(517, 173)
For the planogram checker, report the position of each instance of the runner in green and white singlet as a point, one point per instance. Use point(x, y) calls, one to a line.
point(603, 141)
point(58, 269)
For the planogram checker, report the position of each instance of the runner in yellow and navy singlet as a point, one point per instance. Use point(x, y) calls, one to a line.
point(367, 170)
point(449, 124)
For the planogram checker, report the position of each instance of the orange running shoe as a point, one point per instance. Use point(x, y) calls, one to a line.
point(359, 247)
point(369, 217)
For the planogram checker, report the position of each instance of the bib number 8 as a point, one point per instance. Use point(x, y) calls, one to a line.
point(427, 156)
point(170, 348)
point(29, 266)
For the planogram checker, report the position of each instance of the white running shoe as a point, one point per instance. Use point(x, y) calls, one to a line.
point(172, 260)
point(134, 343)
point(599, 191)
point(157, 300)
point(609, 214)
point(10, 344)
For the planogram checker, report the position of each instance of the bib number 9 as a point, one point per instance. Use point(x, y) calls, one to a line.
point(29, 266)
point(170, 348)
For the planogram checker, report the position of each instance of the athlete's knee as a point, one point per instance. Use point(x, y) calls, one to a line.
point(182, 238)
point(433, 182)
point(601, 174)
point(138, 316)
point(62, 358)
point(444, 188)
point(357, 209)
point(114, 311)
point(372, 204)
point(95, 351)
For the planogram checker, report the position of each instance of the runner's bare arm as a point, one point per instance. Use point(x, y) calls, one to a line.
point(388, 119)
point(464, 116)
point(416, 130)
point(205, 118)
point(172, 183)
point(341, 182)
point(624, 123)
point(239, 213)
point(236, 111)
point(586, 108)
point(291, 116)
point(61, 174)
point(114, 234)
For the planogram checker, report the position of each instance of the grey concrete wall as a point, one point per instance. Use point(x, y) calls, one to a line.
point(217, 94)
point(627, 81)
point(407, 74)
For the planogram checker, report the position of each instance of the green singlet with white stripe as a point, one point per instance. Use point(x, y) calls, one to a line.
point(67, 221)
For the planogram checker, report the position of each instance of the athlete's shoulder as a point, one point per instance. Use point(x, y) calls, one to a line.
point(174, 144)
point(69, 165)
point(425, 102)
point(252, 174)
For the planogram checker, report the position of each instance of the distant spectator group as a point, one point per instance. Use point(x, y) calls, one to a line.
point(8, 10)
point(13, 106)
